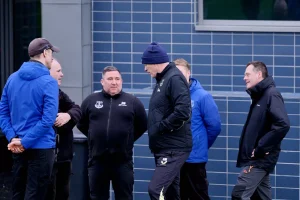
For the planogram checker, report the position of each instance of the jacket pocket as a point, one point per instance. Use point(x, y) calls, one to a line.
point(154, 119)
point(154, 129)
point(158, 116)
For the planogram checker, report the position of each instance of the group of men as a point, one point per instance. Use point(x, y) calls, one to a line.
point(183, 122)
point(38, 119)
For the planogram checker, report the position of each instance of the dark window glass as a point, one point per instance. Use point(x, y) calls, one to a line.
point(27, 26)
point(251, 10)
point(20, 22)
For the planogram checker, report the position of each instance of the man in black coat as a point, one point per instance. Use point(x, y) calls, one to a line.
point(266, 126)
point(68, 115)
point(169, 122)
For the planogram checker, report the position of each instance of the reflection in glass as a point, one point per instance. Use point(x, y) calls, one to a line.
point(251, 9)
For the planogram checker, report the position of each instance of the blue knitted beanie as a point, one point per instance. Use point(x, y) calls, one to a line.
point(154, 54)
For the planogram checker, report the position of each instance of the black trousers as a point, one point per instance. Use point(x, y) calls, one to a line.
point(252, 183)
point(59, 187)
point(100, 175)
point(193, 182)
point(166, 177)
point(31, 173)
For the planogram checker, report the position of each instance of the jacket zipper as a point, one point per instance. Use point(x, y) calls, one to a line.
point(108, 120)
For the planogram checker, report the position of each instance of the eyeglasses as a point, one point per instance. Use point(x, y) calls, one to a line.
point(47, 47)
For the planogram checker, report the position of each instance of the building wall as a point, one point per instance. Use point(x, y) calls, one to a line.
point(67, 24)
point(123, 29)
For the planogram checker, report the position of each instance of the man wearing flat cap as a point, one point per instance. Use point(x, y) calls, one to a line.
point(28, 109)
point(169, 132)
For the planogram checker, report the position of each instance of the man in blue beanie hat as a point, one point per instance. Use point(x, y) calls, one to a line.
point(170, 138)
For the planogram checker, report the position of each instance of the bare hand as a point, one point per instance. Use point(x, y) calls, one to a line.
point(252, 155)
point(15, 146)
point(62, 119)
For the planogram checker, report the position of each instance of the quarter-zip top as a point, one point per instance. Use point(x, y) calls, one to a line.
point(112, 124)
point(107, 128)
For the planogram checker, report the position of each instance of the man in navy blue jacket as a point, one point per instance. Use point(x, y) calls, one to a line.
point(205, 126)
point(266, 125)
point(170, 138)
point(28, 109)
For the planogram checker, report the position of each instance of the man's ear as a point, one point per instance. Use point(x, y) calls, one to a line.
point(259, 74)
point(44, 53)
point(101, 81)
point(189, 73)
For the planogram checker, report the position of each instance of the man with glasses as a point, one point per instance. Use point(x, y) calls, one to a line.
point(28, 109)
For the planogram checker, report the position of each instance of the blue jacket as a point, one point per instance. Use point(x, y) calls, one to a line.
point(206, 123)
point(29, 105)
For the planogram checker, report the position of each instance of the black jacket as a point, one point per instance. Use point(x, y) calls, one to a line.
point(266, 126)
point(112, 124)
point(170, 112)
point(65, 132)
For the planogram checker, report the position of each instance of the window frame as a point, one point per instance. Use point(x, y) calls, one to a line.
point(202, 24)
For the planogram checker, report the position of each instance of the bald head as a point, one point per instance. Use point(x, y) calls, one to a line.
point(56, 71)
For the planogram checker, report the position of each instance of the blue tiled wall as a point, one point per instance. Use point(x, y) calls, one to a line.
point(123, 29)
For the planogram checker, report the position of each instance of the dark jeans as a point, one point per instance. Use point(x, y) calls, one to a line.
point(252, 183)
point(31, 173)
point(193, 182)
point(100, 175)
point(59, 187)
point(166, 178)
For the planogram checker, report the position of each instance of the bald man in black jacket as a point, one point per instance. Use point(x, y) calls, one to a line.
point(68, 115)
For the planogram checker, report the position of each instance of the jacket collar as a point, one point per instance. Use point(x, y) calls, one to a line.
point(110, 96)
point(258, 90)
point(194, 84)
point(159, 76)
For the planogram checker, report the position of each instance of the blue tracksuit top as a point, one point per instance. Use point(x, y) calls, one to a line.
point(29, 105)
point(205, 123)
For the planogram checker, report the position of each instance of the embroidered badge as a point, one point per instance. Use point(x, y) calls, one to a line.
point(99, 104)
